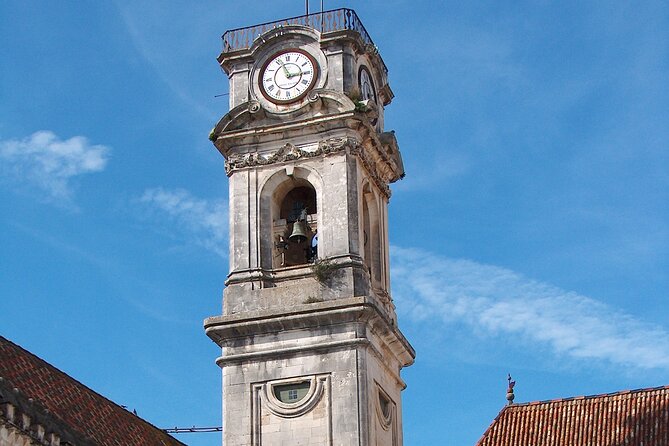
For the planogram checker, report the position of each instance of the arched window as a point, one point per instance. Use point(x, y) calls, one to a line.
point(371, 233)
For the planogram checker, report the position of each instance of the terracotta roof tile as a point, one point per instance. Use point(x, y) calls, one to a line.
point(631, 418)
point(82, 409)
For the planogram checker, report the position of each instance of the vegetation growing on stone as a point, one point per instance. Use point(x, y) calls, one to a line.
point(323, 269)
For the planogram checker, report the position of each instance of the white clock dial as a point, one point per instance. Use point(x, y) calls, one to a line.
point(366, 85)
point(288, 76)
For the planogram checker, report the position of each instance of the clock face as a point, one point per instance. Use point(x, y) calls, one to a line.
point(287, 76)
point(366, 85)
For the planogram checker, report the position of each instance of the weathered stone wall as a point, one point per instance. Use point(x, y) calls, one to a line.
point(11, 436)
point(329, 418)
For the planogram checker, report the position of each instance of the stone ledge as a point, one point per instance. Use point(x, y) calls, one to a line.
point(361, 309)
point(282, 352)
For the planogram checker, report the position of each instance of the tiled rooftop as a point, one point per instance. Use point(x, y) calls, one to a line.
point(86, 412)
point(631, 418)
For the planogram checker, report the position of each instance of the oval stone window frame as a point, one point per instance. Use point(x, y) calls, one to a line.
point(384, 408)
point(299, 407)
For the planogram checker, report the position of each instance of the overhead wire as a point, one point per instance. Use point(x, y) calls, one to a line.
point(186, 430)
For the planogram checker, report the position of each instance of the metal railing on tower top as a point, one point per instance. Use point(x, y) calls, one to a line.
point(326, 22)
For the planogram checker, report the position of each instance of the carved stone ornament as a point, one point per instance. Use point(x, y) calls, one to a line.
point(286, 153)
point(289, 152)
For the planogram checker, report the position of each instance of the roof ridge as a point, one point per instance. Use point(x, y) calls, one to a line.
point(593, 396)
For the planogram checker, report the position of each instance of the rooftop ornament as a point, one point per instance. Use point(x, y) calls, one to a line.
point(509, 391)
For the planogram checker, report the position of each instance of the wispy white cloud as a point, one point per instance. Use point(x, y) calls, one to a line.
point(45, 161)
point(496, 301)
point(205, 221)
point(490, 300)
point(149, 36)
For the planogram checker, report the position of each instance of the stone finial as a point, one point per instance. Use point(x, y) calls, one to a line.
point(509, 391)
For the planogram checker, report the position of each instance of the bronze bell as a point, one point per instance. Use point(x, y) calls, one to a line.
point(299, 233)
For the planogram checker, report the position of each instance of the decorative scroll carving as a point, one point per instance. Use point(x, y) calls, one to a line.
point(313, 96)
point(286, 153)
point(254, 107)
point(289, 153)
point(325, 147)
point(370, 165)
point(334, 145)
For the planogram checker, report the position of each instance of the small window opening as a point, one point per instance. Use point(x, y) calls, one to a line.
point(292, 393)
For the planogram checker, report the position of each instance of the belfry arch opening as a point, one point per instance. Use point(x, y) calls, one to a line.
point(295, 228)
point(289, 218)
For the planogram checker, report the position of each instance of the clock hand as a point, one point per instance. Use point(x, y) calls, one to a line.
point(285, 70)
point(299, 73)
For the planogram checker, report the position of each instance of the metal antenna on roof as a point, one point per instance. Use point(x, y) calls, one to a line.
point(306, 6)
point(509, 391)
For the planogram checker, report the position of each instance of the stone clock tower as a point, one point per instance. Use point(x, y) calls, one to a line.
point(311, 351)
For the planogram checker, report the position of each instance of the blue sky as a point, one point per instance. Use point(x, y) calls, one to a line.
point(530, 236)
